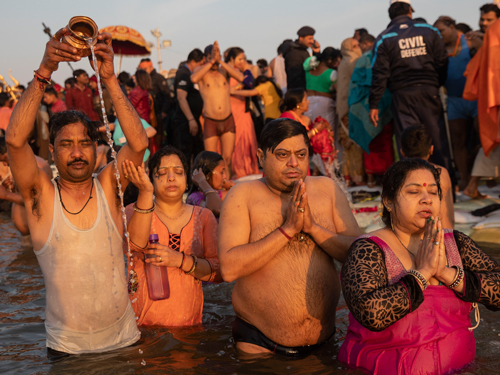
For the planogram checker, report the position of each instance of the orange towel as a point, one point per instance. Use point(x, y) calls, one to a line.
point(483, 85)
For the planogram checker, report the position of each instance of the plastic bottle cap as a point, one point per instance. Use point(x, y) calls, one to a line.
point(153, 237)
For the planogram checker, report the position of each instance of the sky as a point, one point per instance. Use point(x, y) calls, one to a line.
point(257, 26)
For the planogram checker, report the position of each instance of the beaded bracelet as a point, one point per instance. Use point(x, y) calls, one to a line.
point(141, 211)
point(195, 262)
point(459, 277)
point(419, 283)
point(421, 278)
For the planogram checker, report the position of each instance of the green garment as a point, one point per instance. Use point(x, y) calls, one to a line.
point(361, 129)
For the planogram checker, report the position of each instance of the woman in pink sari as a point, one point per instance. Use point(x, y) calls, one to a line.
point(410, 287)
point(244, 160)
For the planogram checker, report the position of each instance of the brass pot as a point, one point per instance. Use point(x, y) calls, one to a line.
point(81, 29)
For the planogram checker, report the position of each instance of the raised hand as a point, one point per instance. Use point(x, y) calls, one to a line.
point(295, 211)
point(316, 47)
point(216, 52)
point(309, 222)
point(137, 176)
point(428, 256)
point(56, 52)
point(442, 260)
point(198, 177)
point(104, 55)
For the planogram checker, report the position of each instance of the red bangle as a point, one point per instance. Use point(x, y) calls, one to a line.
point(284, 233)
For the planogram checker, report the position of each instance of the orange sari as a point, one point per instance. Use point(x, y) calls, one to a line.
point(483, 83)
point(244, 160)
point(185, 304)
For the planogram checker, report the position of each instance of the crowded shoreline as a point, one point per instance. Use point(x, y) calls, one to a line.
point(331, 192)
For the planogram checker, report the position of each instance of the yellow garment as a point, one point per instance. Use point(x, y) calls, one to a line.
point(270, 98)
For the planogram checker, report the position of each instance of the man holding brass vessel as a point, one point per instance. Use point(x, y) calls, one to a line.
point(77, 239)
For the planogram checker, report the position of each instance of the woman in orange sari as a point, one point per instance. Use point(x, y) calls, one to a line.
point(187, 245)
point(244, 161)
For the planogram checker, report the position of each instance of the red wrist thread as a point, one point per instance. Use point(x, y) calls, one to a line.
point(42, 81)
point(284, 233)
point(40, 76)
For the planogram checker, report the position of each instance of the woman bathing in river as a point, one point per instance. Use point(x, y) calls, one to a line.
point(411, 286)
point(187, 242)
point(209, 177)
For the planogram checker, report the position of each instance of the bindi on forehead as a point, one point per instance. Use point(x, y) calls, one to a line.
point(424, 184)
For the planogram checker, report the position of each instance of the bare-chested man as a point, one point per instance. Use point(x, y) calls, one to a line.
point(214, 89)
point(278, 237)
point(75, 220)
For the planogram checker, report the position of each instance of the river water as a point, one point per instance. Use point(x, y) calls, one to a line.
point(206, 349)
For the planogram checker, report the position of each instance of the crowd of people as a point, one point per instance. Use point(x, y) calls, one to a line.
point(230, 172)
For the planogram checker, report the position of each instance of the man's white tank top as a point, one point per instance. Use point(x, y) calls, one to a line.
point(279, 73)
point(88, 309)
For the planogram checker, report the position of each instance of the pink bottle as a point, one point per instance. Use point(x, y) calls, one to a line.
point(158, 286)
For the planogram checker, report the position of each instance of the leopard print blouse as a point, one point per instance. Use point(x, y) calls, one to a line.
point(376, 305)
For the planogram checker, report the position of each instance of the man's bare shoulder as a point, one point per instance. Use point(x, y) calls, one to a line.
point(244, 189)
point(324, 184)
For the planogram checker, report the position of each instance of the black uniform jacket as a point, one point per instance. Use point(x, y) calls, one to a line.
point(407, 54)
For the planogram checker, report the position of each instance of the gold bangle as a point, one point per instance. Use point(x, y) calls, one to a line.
point(459, 278)
point(137, 209)
point(195, 262)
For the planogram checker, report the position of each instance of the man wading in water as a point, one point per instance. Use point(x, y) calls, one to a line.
point(278, 237)
point(214, 89)
point(75, 221)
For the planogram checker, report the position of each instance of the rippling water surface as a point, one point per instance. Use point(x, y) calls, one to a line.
point(206, 349)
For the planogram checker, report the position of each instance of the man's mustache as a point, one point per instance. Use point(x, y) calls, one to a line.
point(78, 161)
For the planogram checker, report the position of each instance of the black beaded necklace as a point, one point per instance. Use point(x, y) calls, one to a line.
point(62, 204)
point(402, 244)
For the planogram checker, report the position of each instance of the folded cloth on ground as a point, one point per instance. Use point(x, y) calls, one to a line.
point(463, 217)
point(492, 221)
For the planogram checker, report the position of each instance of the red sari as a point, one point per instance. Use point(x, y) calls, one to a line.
point(322, 142)
point(381, 155)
